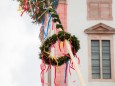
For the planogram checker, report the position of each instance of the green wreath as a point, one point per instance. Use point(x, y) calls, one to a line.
point(61, 36)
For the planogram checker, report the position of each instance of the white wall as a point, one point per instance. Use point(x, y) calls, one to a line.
point(77, 23)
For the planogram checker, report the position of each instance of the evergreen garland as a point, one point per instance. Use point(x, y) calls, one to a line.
point(61, 36)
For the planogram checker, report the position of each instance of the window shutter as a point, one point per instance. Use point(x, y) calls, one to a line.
point(105, 11)
point(99, 9)
point(95, 52)
point(93, 10)
point(106, 62)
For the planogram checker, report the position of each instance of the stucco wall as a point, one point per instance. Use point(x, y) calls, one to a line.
point(77, 22)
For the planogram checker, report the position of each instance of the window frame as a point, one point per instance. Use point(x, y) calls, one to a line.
point(99, 10)
point(101, 37)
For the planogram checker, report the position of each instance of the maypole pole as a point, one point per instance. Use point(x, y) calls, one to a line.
point(71, 55)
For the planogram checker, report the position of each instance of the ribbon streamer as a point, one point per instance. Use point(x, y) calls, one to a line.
point(47, 28)
point(26, 7)
point(49, 67)
point(43, 67)
point(66, 71)
point(55, 77)
point(77, 58)
point(43, 21)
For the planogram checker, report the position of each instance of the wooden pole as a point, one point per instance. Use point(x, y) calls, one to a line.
point(80, 77)
point(75, 64)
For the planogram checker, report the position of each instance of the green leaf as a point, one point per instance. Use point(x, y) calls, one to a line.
point(59, 26)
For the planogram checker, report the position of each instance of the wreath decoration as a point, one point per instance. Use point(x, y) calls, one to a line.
point(46, 48)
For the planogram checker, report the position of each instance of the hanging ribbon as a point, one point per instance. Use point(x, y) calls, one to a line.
point(74, 52)
point(49, 67)
point(52, 57)
point(43, 21)
point(66, 71)
point(43, 67)
point(55, 3)
point(47, 28)
point(77, 58)
point(69, 70)
point(49, 23)
point(71, 65)
point(59, 45)
point(26, 7)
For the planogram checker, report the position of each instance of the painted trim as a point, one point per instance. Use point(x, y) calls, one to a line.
point(100, 29)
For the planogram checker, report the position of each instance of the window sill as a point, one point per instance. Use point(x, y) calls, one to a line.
point(101, 80)
point(105, 19)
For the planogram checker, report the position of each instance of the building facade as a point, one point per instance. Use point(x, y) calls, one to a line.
point(93, 22)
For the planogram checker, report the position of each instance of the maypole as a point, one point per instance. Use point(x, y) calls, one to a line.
point(38, 9)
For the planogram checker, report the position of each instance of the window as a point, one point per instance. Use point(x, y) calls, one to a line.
point(100, 9)
point(100, 59)
point(101, 52)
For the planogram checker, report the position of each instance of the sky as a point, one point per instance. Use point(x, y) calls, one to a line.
point(19, 47)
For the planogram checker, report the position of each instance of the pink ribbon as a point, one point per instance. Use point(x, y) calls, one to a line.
point(43, 67)
point(26, 7)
